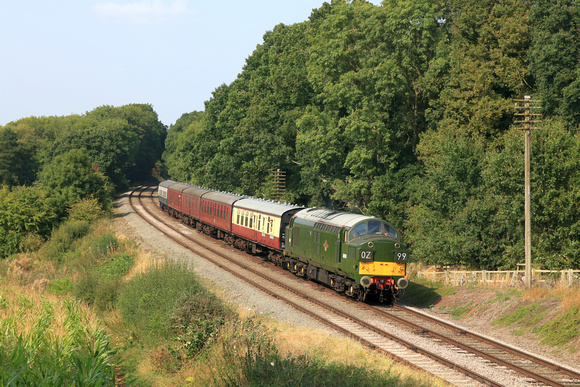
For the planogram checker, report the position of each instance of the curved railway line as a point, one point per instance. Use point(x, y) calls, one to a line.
point(529, 368)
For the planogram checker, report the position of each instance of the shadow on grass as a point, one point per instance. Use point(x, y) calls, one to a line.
point(425, 295)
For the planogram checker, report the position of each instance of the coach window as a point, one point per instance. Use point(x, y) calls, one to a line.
point(238, 222)
point(260, 222)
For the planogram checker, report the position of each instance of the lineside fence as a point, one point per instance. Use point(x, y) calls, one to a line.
point(503, 278)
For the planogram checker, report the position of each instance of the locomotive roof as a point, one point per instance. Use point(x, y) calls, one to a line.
point(166, 183)
point(221, 197)
point(265, 206)
point(334, 218)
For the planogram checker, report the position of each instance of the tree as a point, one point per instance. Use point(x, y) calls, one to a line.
point(16, 160)
point(8, 157)
point(70, 177)
point(369, 68)
point(23, 211)
point(555, 57)
point(487, 61)
point(143, 123)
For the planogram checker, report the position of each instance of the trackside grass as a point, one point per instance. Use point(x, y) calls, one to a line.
point(88, 308)
point(46, 340)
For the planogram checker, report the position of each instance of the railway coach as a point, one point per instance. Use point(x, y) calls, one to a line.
point(263, 222)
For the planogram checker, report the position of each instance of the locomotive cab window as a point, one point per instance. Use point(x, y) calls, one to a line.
point(359, 230)
point(389, 231)
point(373, 227)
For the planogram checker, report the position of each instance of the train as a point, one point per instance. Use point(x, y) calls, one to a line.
point(360, 256)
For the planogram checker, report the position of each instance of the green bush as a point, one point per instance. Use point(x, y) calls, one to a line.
point(148, 301)
point(88, 209)
point(117, 266)
point(64, 238)
point(104, 244)
point(197, 321)
point(98, 290)
point(60, 286)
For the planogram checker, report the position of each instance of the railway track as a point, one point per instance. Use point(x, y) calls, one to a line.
point(392, 345)
point(524, 363)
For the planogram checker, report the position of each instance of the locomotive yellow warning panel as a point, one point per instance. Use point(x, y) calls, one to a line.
point(382, 268)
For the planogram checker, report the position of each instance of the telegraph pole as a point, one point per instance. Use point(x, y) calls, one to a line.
point(529, 120)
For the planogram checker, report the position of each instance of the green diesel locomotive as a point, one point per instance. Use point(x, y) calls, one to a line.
point(355, 254)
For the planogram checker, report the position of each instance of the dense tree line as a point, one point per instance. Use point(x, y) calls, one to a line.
point(405, 111)
point(47, 164)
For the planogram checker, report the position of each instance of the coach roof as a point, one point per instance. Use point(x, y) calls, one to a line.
point(265, 206)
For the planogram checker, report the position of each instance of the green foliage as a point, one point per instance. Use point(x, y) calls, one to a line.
point(124, 143)
point(88, 209)
point(24, 211)
point(261, 364)
point(562, 329)
point(16, 160)
point(467, 208)
point(70, 178)
point(149, 300)
point(555, 57)
point(82, 355)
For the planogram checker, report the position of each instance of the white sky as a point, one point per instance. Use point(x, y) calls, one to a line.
point(61, 57)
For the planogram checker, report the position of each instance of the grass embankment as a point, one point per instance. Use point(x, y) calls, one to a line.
point(551, 315)
point(88, 308)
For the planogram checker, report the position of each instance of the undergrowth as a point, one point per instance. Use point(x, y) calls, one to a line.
point(52, 342)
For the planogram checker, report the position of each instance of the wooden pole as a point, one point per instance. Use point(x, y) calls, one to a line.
point(528, 213)
point(527, 124)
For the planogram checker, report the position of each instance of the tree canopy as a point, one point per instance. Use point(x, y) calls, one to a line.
point(71, 160)
point(405, 111)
